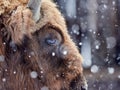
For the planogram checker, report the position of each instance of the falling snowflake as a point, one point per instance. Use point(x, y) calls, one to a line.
point(64, 52)
point(4, 79)
point(113, 2)
point(29, 56)
point(119, 76)
point(6, 70)
point(111, 42)
point(53, 53)
point(4, 43)
point(41, 72)
point(2, 58)
point(103, 7)
point(80, 43)
point(44, 88)
point(32, 53)
point(14, 72)
point(57, 75)
point(97, 47)
point(111, 70)
point(33, 74)
point(94, 69)
point(75, 29)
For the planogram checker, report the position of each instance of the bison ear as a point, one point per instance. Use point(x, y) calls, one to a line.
point(34, 6)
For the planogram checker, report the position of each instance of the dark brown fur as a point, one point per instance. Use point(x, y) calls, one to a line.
point(23, 44)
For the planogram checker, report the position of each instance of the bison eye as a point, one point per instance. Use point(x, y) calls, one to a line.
point(51, 41)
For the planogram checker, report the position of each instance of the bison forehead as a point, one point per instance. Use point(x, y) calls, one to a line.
point(20, 23)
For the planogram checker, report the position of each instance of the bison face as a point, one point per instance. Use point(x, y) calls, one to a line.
point(40, 42)
point(56, 56)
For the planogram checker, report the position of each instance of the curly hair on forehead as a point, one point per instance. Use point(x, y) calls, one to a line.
point(8, 5)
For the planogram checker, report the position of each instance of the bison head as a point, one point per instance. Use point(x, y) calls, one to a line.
point(36, 44)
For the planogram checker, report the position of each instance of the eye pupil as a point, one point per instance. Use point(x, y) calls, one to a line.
point(51, 41)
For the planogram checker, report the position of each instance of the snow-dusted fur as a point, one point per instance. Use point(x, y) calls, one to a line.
point(27, 61)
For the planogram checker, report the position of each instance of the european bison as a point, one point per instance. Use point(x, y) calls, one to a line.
point(36, 52)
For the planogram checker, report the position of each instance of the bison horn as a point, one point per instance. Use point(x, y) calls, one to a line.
point(34, 6)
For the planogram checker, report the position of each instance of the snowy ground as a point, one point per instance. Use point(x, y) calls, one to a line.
point(104, 78)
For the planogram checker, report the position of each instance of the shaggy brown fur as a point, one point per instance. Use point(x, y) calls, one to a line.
point(26, 50)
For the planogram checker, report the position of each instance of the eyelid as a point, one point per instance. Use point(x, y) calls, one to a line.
point(48, 28)
point(51, 41)
point(60, 32)
point(57, 30)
